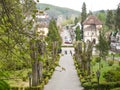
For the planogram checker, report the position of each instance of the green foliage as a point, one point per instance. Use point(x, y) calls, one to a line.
point(103, 45)
point(76, 20)
point(110, 62)
point(117, 18)
point(40, 87)
point(46, 80)
point(78, 33)
point(112, 75)
point(4, 85)
point(102, 16)
point(55, 11)
point(102, 85)
point(83, 13)
point(67, 21)
point(115, 89)
point(110, 19)
point(97, 59)
point(53, 34)
point(87, 86)
point(14, 34)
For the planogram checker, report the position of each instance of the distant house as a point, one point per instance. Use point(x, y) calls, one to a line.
point(115, 41)
point(43, 22)
point(73, 29)
point(91, 27)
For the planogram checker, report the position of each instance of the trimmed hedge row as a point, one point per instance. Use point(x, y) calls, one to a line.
point(46, 76)
point(102, 85)
point(90, 83)
point(27, 88)
point(115, 89)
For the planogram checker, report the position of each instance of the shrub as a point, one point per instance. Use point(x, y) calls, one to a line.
point(4, 85)
point(97, 59)
point(94, 81)
point(34, 88)
point(112, 75)
point(110, 62)
point(115, 89)
point(119, 63)
point(87, 86)
point(81, 77)
point(56, 63)
point(46, 80)
point(93, 74)
point(78, 72)
point(14, 88)
point(24, 78)
point(83, 81)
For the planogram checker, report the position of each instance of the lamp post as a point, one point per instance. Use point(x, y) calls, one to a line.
point(98, 77)
point(112, 56)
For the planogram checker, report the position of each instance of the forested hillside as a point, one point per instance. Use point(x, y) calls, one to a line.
point(56, 11)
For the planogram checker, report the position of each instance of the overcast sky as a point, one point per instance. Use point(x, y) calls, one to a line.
point(92, 5)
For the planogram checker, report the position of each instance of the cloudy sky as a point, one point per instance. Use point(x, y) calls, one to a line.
point(92, 5)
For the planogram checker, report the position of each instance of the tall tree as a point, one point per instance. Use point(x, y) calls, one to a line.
point(78, 33)
point(12, 31)
point(83, 13)
point(76, 20)
point(103, 45)
point(117, 18)
point(90, 13)
point(83, 17)
point(54, 39)
point(102, 16)
point(53, 34)
point(110, 19)
point(16, 21)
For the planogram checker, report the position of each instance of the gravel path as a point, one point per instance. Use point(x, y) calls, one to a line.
point(65, 77)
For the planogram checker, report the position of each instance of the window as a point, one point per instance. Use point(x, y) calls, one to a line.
point(92, 33)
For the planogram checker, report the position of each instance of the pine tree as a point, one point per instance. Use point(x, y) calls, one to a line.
point(76, 20)
point(83, 13)
point(83, 17)
point(102, 16)
point(110, 19)
point(78, 34)
point(117, 18)
point(103, 45)
point(53, 34)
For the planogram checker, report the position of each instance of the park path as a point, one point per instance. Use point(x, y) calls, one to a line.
point(64, 77)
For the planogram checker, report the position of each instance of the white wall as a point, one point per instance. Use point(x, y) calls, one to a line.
point(91, 34)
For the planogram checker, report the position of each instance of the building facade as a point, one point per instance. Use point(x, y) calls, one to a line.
point(91, 28)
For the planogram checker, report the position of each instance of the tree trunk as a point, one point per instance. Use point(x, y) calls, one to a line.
point(40, 67)
point(34, 74)
point(33, 55)
point(88, 67)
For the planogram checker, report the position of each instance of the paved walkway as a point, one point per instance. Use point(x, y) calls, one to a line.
point(64, 77)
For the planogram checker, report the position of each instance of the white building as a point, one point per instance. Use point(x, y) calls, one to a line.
point(91, 28)
point(115, 41)
point(43, 22)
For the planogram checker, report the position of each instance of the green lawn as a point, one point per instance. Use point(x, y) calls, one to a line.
point(104, 67)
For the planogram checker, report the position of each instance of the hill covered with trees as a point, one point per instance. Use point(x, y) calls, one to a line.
point(56, 11)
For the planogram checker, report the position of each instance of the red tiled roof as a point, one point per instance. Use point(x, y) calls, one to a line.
point(92, 20)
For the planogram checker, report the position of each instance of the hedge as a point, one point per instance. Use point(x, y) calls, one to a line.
point(4, 85)
point(116, 88)
point(27, 88)
point(102, 85)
